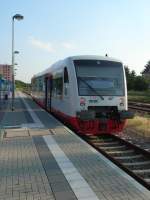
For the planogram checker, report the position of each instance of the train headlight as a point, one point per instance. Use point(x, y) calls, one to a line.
point(121, 101)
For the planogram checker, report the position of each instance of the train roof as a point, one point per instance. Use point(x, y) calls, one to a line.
point(79, 57)
point(93, 57)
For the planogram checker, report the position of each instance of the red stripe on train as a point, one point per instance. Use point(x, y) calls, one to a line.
point(94, 127)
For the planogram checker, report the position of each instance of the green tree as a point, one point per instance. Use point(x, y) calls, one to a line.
point(131, 75)
point(146, 68)
point(140, 84)
point(21, 85)
point(127, 70)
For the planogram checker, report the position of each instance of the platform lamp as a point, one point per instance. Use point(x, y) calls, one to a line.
point(15, 17)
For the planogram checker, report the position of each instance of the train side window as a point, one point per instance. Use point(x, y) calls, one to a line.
point(66, 78)
point(57, 87)
point(66, 81)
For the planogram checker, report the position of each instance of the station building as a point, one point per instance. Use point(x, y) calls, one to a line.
point(6, 71)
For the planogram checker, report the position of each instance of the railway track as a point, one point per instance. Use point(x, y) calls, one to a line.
point(129, 157)
point(140, 107)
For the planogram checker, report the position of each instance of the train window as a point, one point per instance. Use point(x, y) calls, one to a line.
point(99, 77)
point(66, 78)
point(57, 89)
point(66, 81)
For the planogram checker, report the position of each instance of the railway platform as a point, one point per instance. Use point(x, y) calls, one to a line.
point(41, 159)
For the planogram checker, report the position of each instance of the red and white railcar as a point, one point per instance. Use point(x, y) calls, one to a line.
point(87, 92)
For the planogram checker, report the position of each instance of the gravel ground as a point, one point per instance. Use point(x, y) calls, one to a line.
point(135, 138)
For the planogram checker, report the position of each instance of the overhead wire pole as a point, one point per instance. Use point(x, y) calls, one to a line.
point(17, 17)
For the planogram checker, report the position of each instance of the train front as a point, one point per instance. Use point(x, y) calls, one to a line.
point(102, 96)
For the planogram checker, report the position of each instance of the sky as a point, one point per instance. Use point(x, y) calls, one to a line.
point(55, 29)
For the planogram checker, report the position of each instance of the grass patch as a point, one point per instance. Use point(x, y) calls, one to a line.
point(140, 125)
point(139, 96)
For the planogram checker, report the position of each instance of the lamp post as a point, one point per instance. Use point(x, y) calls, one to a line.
point(15, 17)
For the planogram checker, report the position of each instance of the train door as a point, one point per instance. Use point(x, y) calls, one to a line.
point(48, 92)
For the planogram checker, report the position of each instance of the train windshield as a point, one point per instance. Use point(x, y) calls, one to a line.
point(99, 77)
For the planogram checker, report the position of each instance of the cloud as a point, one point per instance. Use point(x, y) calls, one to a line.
point(49, 47)
point(42, 45)
point(68, 45)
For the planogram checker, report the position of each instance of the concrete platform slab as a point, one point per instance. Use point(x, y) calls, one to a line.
point(39, 132)
point(11, 133)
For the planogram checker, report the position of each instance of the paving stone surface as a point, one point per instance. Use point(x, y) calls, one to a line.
point(56, 178)
point(17, 117)
point(107, 182)
point(22, 176)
